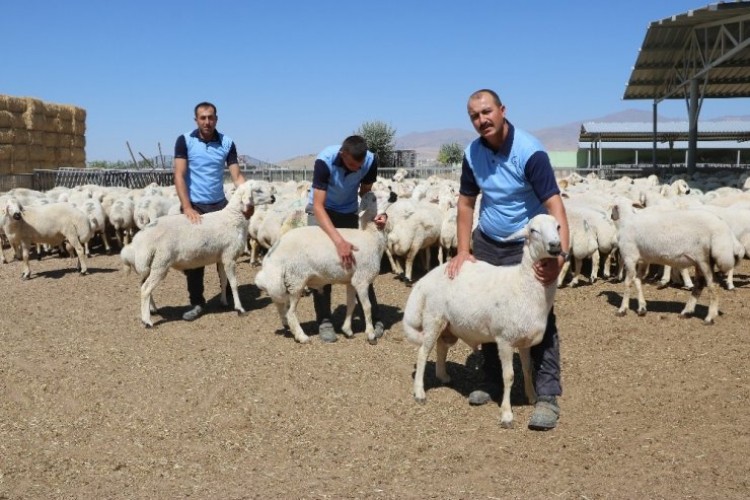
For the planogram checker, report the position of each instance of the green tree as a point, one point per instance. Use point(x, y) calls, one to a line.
point(450, 154)
point(379, 137)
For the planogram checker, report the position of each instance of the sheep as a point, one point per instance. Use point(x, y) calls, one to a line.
point(286, 270)
point(51, 224)
point(700, 239)
point(415, 227)
point(485, 303)
point(172, 241)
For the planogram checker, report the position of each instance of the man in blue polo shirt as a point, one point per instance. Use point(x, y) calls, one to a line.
point(514, 174)
point(199, 160)
point(341, 173)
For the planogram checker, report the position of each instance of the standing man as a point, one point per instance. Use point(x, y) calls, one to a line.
point(340, 174)
point(199, 160)
point(514, 174)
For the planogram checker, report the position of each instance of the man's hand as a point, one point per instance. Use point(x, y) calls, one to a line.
point(454, 265)
point(192, 215)
point(345, 251)
point(249, 212)
point(380, 220)
point(547, 270)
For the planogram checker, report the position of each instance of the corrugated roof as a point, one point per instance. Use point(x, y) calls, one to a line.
point(710, 44)
point(737, 131)
point(683, 145)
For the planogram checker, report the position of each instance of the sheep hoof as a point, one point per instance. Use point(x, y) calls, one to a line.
point(241, 312)
point(84, 273)
point(147, 325)
point(708, 322)
point(408, 282)
point(401, 277)
point(641, 312)
point(621, 313)
point(421, 401)
point(685, 315)
point(506, 424)
point(25, 276)
point(372, 341)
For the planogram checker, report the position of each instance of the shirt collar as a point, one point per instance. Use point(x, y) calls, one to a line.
point(197, 135)
point(506, 145)
point(340, 164)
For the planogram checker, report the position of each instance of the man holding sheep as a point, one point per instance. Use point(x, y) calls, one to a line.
point(340, 173)
point(199, 160)
point(514, 174)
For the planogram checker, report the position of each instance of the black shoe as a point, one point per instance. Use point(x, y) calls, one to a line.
point(546, 413)
point(193, 314)
point(484, 393)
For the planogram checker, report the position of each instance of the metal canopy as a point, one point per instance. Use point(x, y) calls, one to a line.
point(734, 131)
point(710, 45)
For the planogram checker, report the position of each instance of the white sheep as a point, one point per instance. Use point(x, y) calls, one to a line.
point(485, 303)
point(50, 224)
point(678, 238)
point(306, 257)
point(172, 241)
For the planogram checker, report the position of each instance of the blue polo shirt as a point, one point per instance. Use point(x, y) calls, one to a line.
point(206, 163)
point(514, 181)
point(341, 184)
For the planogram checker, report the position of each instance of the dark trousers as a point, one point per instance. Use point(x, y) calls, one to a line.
point(195, 276)
point(322, 299)
point(546, 355)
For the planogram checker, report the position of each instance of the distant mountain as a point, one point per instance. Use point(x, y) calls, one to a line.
point(561, 138)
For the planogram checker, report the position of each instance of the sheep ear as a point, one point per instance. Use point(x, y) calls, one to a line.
point(392, 197)
point(521, 233)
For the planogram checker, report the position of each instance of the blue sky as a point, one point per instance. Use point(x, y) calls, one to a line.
point(290, 78)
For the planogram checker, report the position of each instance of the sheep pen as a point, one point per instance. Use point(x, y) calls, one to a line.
point(94, 406)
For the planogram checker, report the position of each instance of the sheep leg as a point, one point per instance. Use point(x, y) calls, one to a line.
point(395, 267)
point(26, 274)
point(228, 271)
point(347, 326)
point(440, 254)
point(687, 283)
point(147, 288)
point(607, 265)
point(528, 381)
point(578, 265)
point(595, 259)
point(629, 272)
point(441, 371)
point(293, 322)
point(364, 301)
point(410, 264)
point(81, 254)
point(563, 273)
point(505, 353)
point(428, 341)
point(639, 275)
point(729, 279)
point(105, 239)
point(665, 277)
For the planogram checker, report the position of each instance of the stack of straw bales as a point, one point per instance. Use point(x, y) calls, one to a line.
point(36, 134)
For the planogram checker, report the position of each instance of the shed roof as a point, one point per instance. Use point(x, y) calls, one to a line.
point(710, 44)
point(736, 131)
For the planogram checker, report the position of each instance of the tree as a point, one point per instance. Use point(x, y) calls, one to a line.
point(379, 137)
point(450, 154)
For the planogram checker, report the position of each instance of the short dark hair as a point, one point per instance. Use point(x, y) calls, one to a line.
point(492, 93)
point(203, 104)
point(356, 146)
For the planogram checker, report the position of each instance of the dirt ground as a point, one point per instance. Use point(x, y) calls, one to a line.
point(95, 406)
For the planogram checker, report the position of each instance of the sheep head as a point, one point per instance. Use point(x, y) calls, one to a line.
point(252, 193)
point(13, 209)
point(542, 235)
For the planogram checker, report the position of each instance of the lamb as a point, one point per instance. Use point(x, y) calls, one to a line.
point(50, 224)
point(172, 241)
point(485, 303)
point(287, 271)
point(701, 240)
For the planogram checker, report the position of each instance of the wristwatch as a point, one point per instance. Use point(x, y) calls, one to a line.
point(565, 256)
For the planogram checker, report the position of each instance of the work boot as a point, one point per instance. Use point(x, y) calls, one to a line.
point(326, 332)
point(194, 313)
point(546, 413)
point(379, 329)
point(484, 393)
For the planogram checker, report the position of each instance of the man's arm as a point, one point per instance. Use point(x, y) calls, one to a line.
point(180, 184)
point(464, 221)
point(343, 247)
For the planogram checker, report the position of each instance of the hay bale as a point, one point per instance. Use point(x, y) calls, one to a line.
point(38, 154)
point(6, 153)
point(13, 104)
point(21, 136)
point(50, 140)
point(10, 120)
point(7, 136)
point(79, 141)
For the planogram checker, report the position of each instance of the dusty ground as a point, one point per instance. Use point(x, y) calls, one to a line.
point(94, 406)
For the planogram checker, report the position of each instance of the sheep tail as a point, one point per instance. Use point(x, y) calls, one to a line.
point(413, 313)
point(127, 254)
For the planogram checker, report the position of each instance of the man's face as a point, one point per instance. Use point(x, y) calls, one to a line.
point(350, 162)
point(487, 117)
point(206, 120)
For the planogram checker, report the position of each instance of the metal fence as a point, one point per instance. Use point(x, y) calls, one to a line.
point(43, 179)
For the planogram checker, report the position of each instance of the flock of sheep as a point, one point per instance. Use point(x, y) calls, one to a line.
point(621, 226)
